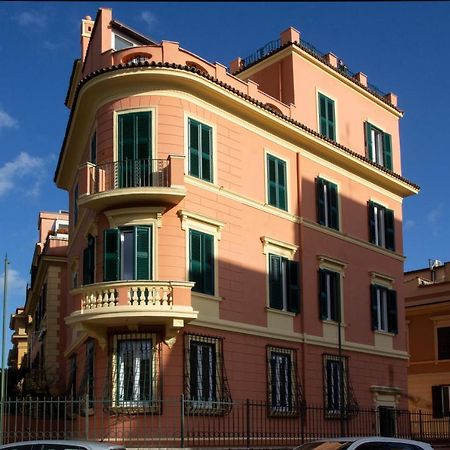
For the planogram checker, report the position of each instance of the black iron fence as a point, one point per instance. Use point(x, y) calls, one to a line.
point(181, 423)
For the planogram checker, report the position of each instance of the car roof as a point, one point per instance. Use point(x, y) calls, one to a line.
point(361, 439)
point(93, 445)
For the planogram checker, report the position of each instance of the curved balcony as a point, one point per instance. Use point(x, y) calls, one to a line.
point(133, 303)
point(132, 182)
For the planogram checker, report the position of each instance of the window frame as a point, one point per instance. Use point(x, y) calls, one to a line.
point(381, 156)
point(330, 301)
point(331, 411)
point(442, 356)
point(384, 309)
point(328, 204)
point(325, 120)
point(278, 160)
point(440, 399)
point(381, 225)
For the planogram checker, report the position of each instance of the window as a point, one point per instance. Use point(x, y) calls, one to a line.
point(378, 146)
point(335, 371)
point(284, 292)
point(204, 373)
point(329, 295)
point(201, 261)
point(128, 253)
point(327, 117)
point(384, 309)
point(443, 342)
point(276, 182)
point(441, 401)
point(135, 376)
point(327, 203)
point(89, 261)
point(200, 150)
point(282, 380)
point(135, 150)
point(94, 148)
point(120, 42)
point(381, 226)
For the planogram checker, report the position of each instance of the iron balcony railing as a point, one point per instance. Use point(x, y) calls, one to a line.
point(129, 173)
point(261, 52)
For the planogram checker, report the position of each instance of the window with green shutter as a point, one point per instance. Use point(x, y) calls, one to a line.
point(384, 309)
point(329, 295)
point(381, 226)
point(327, 203)
point(200, 150)
point(284, 290)
point(201, 262)
point(89, 261)
point(378, 145)
point(276, 182)
point(327, 117)
point(128, 253)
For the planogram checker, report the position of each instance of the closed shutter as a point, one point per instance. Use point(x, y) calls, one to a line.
point(126, 150)
point(392, 311)
point(372, 224)
point(275, 282)
point(389, 226)
point(143, 163)
point(111, 259)
point(195, 261)
point(208, 263)
point(333, 206)
point(323, 115)
point(194, 148)
point(206, 153)
point(320, 201)
point(436, 394)
point(368, 140)
point(293, 289)
point(272, 180)
point(323, 299)
point(143, 253)
point(373, 307)
point(387, 147)
point(281, 186)
point(331, 123)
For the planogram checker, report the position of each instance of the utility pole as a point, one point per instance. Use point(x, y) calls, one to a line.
point(3, 380)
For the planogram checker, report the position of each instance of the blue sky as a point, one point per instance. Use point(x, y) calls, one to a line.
point(401, 46)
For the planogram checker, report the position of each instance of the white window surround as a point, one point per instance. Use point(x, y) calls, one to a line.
point(213, 126)
point(332, 264)
point(267, 151)
point(280, 248)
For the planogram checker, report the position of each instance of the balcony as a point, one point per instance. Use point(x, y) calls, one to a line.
point(133, 303)
point(132, 183)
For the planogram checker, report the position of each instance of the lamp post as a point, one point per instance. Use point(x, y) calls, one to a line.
point(3, 379)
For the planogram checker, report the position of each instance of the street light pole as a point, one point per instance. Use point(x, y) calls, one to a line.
point(3, 380)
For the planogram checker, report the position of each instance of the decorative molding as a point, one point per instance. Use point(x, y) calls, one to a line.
point(189, 217)
point(279, 247)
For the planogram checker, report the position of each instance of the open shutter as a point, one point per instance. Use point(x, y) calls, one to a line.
point(389, 227)
point(323, 115)
point(373, 307)
point(194, 148)
point(320, 201)
point(143, 253)
point(206, 153)
point(387, 147)
point(275, 282)
point(368, 140)
point(392, 312)
point(208, 263)
point(323, 310)
point(111, 258)
point(195, 262)
point(86, 266)
point(336, 297)
point(293, 291)
point(436, 394)
point(333, 206)
point(372, 225)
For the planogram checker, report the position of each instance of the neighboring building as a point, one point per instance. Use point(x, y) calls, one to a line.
point(41, 321)
point(231, 236)
point(427, 301)
point(18, 324)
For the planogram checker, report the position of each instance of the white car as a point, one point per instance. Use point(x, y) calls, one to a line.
point(61, 445)
point(365, 443)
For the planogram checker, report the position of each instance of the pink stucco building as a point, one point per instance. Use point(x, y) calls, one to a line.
point(234, 233)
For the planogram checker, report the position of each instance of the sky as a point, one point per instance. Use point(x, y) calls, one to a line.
point(403, 47)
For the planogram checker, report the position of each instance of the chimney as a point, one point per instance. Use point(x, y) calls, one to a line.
point(86, 30)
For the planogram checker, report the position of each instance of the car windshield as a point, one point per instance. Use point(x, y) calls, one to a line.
point(325, 445)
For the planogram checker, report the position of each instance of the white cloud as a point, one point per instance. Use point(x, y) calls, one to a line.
point(149, 18)
point(31, 18)
point(23, 165)
point(6, 121)
point(52, 45)
point(409, 224)
point(16, 284)
point(434, 215)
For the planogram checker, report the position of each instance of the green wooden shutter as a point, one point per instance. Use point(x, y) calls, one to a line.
point(389, 229)
point(206, 153)
point(436, 395)
point(86, 266)
point(126, 149)
point(392, 311)
point(371, 214)
point(320, 201)
point(111, 255)
point(94, 148)
point(275, 282)
point(336, 297)
point(323, 115)
point(143, 163)
point(331, 131)
point(323, 314)
point(387, 148)
point(281, 185)
point(373, 307)
point(272, 180)
point(195, 260)
point(143, 253)
point(333, 206)
point(368, 139)
point(293, 288)
point(194, 148)
point(327, 117)
point(208, 263)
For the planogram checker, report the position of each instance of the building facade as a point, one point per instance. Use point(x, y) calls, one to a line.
point(427, 301)
point(233, 233)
